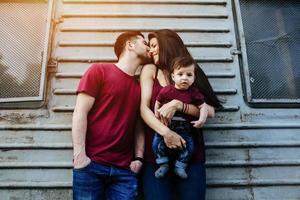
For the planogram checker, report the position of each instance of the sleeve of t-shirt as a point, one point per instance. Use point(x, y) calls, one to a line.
point(91, 81)
point(162, 95)
point(198, 97)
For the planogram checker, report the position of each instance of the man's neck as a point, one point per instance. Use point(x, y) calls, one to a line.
point(127, 65)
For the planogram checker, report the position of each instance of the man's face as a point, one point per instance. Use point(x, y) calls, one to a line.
point(142, 49)
point(184, 77)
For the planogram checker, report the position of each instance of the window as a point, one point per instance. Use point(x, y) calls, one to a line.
point(270, 50)
point(24, 33)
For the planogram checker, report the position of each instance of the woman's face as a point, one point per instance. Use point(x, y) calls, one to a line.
point(154, 50)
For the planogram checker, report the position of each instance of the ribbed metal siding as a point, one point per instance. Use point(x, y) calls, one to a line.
point(251, 153)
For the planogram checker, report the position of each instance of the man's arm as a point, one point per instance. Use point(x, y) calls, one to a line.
point(137, 162)
point(83, 105)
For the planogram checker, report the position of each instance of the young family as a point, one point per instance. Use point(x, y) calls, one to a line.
point(122, 126)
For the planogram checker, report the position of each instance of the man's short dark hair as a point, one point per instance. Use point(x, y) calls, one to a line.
point(122, 39)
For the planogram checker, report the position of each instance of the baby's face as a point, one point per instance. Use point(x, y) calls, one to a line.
point(184, 77)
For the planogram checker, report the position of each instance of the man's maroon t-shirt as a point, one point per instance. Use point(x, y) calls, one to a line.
point(112, 119)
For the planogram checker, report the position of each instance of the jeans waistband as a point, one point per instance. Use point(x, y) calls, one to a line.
point(177, 118)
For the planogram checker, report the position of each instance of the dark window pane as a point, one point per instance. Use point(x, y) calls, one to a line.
point(272, 33)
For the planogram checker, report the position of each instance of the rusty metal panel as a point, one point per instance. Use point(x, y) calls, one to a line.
point(151, 10)
point(35, 194)
point(88, 31)
point(35, 139)
point(254, 193)
point(37, 178)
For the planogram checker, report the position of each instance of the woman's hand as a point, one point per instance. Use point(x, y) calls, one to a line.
point(174, 141)
point(167, 111)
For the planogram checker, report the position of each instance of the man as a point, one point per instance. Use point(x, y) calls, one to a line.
point(105, 127)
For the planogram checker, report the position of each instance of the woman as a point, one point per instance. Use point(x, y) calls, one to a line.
point(165, 45)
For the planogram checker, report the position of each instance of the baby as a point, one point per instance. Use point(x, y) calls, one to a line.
point(183, 75)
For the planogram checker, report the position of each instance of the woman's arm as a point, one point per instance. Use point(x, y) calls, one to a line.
point(167, 111)
point(172, 139)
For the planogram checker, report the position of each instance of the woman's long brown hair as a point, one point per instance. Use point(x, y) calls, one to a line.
point(172, 46)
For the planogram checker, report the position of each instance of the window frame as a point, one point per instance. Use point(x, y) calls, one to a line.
point(244, 67)
point(37, 101)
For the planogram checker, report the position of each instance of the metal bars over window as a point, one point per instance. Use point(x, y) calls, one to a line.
point(269, 32)
point(24, 33)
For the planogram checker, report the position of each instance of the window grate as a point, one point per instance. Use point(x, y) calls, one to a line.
point(272, 37)
point(22, 43)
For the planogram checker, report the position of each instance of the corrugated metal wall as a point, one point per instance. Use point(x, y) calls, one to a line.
point(251, 153)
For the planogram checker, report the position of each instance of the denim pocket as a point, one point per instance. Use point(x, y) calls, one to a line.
point(133, 173)
point(83, 168)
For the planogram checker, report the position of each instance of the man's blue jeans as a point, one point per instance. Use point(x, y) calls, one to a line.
point(97, 182)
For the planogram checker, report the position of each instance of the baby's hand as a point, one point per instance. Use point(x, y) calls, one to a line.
point(198, 123)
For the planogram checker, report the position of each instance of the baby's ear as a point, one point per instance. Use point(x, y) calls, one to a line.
point(172, 76)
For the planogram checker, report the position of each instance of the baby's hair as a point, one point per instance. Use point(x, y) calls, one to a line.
point(182, 61)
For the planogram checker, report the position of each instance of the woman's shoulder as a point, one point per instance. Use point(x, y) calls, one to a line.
point(150, 67)
point(149, 70)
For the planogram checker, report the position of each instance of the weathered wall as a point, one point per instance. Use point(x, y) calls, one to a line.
point(251, 153)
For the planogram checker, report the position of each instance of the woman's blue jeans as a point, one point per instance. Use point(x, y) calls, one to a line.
point(97, 182)
point(172, 187)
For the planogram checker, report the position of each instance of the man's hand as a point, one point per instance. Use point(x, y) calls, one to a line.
point(174, 141)
point(81, 161)
point(136, 166)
